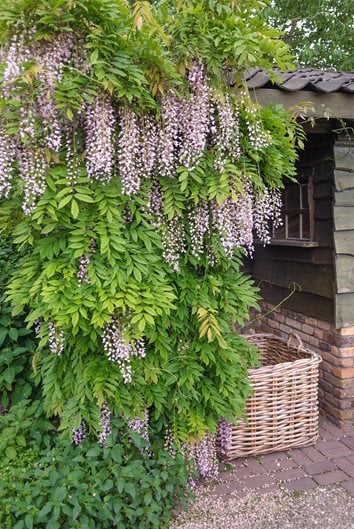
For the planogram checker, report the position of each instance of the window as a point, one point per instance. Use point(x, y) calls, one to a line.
point(297, 216)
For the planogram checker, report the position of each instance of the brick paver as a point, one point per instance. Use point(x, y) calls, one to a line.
point(328, 462)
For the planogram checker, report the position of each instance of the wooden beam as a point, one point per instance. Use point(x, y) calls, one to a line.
point(333, 105)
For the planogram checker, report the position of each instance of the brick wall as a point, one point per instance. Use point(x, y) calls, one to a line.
point(335, 346)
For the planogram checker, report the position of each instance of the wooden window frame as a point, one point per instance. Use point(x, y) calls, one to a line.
point(300, 241)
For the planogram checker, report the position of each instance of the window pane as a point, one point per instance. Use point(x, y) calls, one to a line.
point(305, 225)
point(293, 197)
point(279, 233)
point(293, 226)
point(304, 197)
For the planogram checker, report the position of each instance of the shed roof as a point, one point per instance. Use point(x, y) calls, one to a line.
point(303, 79)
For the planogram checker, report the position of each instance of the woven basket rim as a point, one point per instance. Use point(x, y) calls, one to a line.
point(312, 358)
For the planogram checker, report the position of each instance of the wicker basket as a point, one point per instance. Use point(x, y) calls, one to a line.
point(283, 411)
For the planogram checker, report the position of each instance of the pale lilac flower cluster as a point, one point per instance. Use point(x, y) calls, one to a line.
point(259, 138)
point(129, 152)
point(119, 350)
point(37, 327)
point(13, 55)
point(204, 454)
point(84, 261)
point(52, 58)
point(194, 119)
point(56, 339)
point(27, 130)
point(141, 426)
point(267, 212)
point(99, 128)
point(169, 444)
point(7, 158)
point(33, 166)
point(105, 424)
point(148, 146)
point(72, 159)
point(78, 435)
point(173, 240)
point(155, 201)
point(227, 134)
point(198, 219)
point(224, 436)
point(169, 140)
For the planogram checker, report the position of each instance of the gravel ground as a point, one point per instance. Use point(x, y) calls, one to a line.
point(328, 507)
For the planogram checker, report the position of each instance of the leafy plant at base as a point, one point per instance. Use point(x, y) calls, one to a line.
point(133, 174)
point(89, 487)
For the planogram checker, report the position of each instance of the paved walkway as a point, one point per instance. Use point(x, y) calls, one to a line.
point(330, 461)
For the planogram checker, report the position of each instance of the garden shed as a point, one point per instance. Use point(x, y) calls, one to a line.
point(306, 274)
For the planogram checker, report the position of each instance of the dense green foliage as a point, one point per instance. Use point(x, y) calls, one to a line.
point(89, 488)
point(195, 369)
point(320, 33)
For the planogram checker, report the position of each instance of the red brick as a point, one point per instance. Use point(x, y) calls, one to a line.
point(289, 475)
point(343, 372)
point(299, 457)
point(349, 442)
point(338, 452)
point(349, 486)
point(330, 477)
point(340, 403)
point(330, 427)
point(347, 352)
point(301, 484)
point(320, 468)
point(283, 464)
point(344, 464)
point(325, 325)
point(313, 454)
point(338, 382)
point(258, 481)
point(346, 331)
point(308, 329)
point(253, 466)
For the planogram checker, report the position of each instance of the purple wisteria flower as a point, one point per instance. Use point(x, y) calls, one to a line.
point(99, 129)
point(56, 339)
point(105, 424)
point(119, 350)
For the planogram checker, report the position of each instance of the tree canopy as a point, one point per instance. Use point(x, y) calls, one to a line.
point(320, 32)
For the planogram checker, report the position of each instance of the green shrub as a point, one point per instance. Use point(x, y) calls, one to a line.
point(84, 487)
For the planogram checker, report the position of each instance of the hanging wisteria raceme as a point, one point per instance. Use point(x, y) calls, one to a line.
point(7, 159)
point(169, 444)
point(258, 137)
point(84, 261)
point(33, 166)
point(78, 435)
point(155, 202)
point(56, 339)
point(129, 152)
point(99, 130)
point(173, 241)
point(194, 119)
point(51, 59)
point(27, 129)
point(227, 133)
point(119, 350)
point(169, 138)
point(233, 221)
point(13, 56)
point(141, 426)
point(266, 213)
point(198, 219)
point(105, 424)
point(204, 454)
point(148, 146)
point(224, 437)
point(37, 327)
point(71, 157)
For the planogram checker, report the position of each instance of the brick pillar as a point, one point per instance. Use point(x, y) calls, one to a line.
point(335, 346)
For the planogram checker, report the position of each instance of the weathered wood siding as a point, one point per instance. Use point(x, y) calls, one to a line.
point(343, 213)
point(302, 279)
